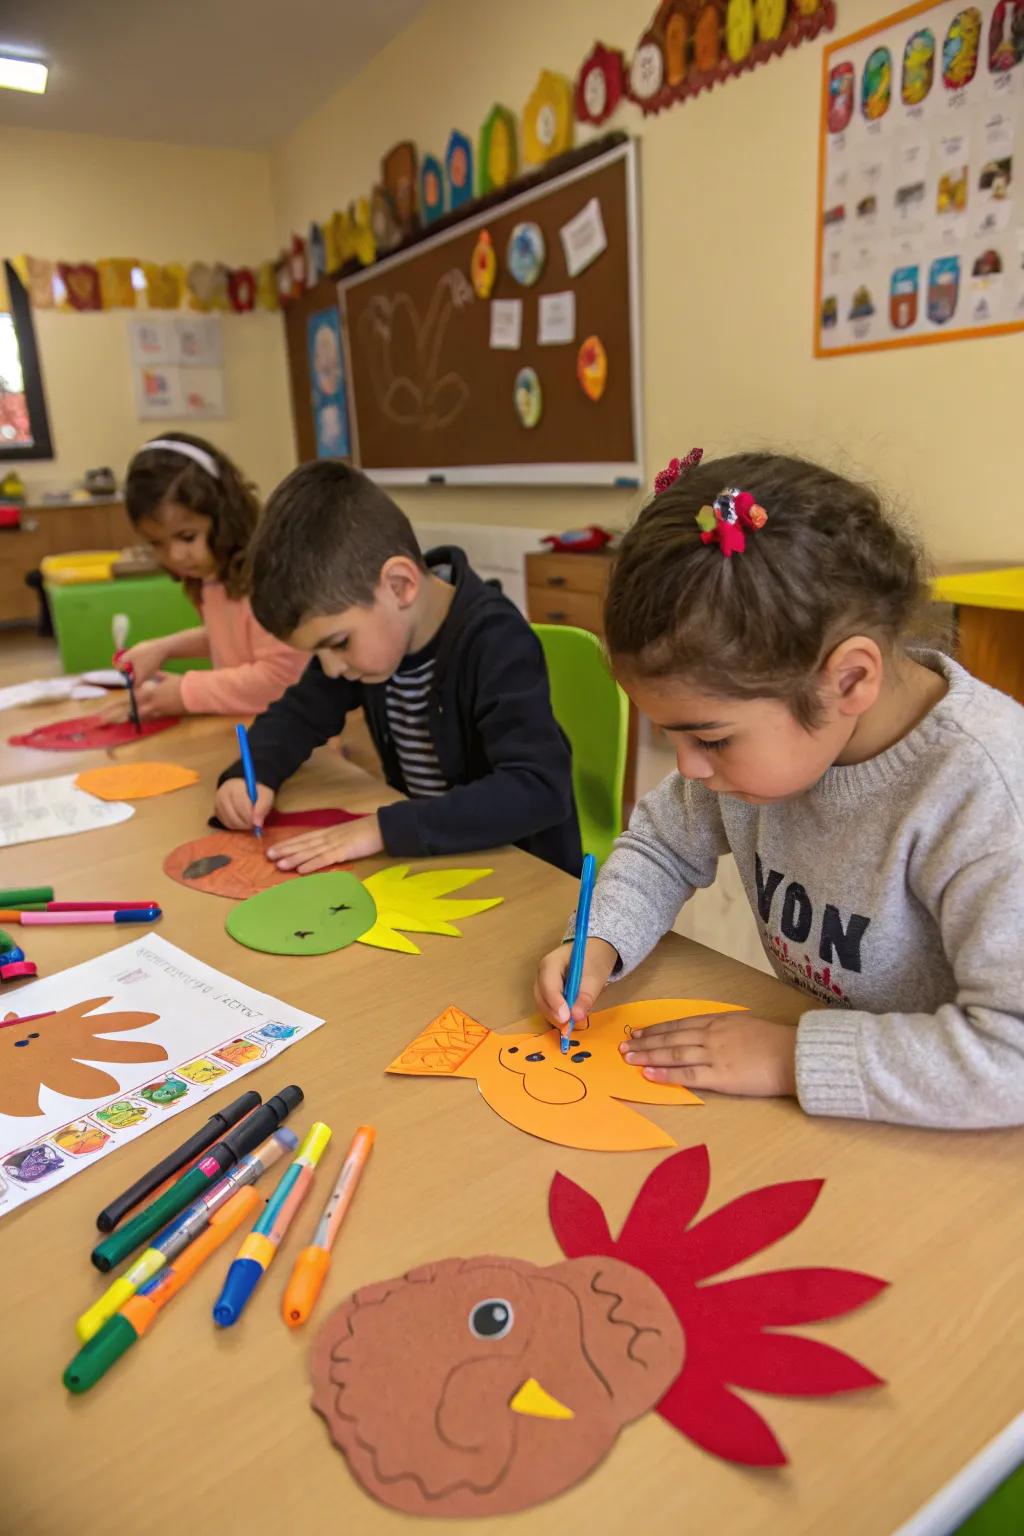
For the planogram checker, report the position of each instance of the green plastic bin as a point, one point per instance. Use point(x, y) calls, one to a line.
point(83, 613)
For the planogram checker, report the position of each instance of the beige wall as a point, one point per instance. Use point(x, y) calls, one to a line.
point(79, 197)
point(728, 188)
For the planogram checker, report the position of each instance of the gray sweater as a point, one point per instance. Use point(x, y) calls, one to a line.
point(892, 893)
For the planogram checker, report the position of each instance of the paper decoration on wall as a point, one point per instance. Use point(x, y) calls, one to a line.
point(235, 864)
point(267, 296)
point(81, 285)
point(116, 288)
point(242, 290)
point(37, 277)
point(130, 1038)
point(316, 255)
point(483, 1386)
point(297, 266)
point(528, 397)
point(283, 273)
point(458, 164)
point(547, 119)
point(207, 287)
point(164, 284)
point(87, 733)
point(399, 175)
point(526, 253)
point(135, 781)
point(431, 189)
point(483, 265)
point(387, 231)
point(574, 1100)
point(328, 394)
point(317, 914)
point(499, 150)
point(600, 85)
point(592, 367)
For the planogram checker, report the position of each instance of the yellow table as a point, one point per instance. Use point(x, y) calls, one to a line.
point(205, 1432)
point(989, 607)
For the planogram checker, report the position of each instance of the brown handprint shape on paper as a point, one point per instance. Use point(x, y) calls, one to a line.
point(54, 1052)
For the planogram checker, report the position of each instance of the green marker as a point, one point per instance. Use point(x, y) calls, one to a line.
point(255, 1128)
point(18, 898)
point(6, 942)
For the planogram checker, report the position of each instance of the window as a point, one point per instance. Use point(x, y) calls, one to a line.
point(24, 425)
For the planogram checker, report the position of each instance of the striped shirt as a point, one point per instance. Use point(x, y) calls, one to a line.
point(407, 700)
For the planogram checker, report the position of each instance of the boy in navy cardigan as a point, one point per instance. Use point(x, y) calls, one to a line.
point(450, 676)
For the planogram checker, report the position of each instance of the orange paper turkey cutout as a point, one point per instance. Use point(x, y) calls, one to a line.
point(47, 1052)
point(574, 1100)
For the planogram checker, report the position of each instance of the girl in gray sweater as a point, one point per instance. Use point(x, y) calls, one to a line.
point(873, 797)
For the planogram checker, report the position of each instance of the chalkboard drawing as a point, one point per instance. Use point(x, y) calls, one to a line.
point(404, 352)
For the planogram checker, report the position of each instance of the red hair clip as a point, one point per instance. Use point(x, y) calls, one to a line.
point(676, 467)
point(725, 522)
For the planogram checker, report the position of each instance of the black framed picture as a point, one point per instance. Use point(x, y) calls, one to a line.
point(24, 423)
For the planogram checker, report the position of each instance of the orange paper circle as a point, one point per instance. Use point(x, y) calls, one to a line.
point(135, 781)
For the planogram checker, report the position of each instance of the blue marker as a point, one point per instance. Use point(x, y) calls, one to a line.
point(579, 943)
point(247, 769)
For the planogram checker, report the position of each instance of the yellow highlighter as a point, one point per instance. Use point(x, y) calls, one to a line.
point(312, 1264)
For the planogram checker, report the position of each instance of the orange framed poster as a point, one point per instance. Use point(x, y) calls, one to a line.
point(920, 220)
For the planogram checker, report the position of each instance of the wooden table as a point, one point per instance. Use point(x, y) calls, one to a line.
point(202, 1432)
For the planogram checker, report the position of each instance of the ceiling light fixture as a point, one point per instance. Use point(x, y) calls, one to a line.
point(22, 75)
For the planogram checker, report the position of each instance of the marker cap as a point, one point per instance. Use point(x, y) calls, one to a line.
point(242, 1279)
point(96, 1357)
point(305, 1285)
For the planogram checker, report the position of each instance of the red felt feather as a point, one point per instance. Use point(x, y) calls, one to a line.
point(577, 1220)
point(706, 1412)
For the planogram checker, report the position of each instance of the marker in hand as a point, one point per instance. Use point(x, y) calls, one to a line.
point(579, 945)
point(249, 771)
point(119, 630)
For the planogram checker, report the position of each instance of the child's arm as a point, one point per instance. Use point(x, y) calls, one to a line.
point(150, 655)
point(249, 688)
point(961, 1067)
point(308, 714)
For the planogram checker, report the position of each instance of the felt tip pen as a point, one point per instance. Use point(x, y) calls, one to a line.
point(24, 894)
point(183, 1230)
point(57, 919)
point(175, 1161)
point(312, 1264)
point(26, 1018)
point(248, 770)
point(138, 1315)
point(98, 906)
point(253, 1130)
point(257, 1251)
point(579, 945)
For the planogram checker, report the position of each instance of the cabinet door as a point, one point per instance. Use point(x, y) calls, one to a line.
point(583, 609)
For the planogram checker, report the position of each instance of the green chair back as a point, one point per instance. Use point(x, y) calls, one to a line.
point(593, 712)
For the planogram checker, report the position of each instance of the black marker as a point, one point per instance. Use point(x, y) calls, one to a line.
point(189, 1150)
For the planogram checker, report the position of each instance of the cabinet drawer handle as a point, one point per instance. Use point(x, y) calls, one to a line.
point(556, 581)
point(557, 617)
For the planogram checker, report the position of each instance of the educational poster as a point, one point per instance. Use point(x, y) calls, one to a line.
point(96, 1055)
point(327, 385)
point(921, 207)
point(177, 367)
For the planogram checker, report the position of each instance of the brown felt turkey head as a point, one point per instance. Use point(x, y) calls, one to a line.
point(481, 1386)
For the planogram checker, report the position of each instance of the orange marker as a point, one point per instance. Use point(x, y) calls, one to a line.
point(312, 1264)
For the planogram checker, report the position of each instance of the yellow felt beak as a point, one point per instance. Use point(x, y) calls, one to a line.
point(532, 1400)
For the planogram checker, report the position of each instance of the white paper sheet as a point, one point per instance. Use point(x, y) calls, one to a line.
point(49, 690)
point(33, 811)
point(506, 324)
point(583, 238)
point(556, 318)
point(212, 1031)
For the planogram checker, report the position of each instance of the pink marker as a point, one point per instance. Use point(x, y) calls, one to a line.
point(100, 906)
point(27, 1018)
point(46, 919)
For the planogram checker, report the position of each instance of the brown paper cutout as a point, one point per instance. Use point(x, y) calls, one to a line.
point(46, 1054)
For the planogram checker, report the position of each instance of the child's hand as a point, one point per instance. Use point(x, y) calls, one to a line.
point(728, 1052)
point(323, 846)
point(146, 658)
point(160, 696)
point(600, 960)
point(234, 808)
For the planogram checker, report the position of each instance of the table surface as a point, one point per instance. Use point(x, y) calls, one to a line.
point(212, 1431)
point(992, 587)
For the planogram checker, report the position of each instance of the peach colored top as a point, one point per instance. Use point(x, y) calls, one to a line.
point(250, 669)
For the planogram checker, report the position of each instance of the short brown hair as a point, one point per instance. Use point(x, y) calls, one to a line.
point(322, 543)
point(159, 476)
point(829, 563)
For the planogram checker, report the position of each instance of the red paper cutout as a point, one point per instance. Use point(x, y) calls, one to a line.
point(235, 864)
point(82, 283)
point(242, 289)
point(318, 816)
point(88, 733)
point(600, 84)
point(724, 1324)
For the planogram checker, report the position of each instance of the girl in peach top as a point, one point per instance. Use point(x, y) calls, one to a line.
point(195, 510)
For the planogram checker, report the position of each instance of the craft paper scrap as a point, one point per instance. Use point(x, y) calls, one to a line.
point(583, 238)
point(472, 1387)
point(506, 323)
point(575, 1099)
point(556, 318)
point(135, 781)
point(33, 811)
point(88, 732)
point(123, 1042)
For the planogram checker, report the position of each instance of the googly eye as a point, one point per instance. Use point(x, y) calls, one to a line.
point(491, 1319)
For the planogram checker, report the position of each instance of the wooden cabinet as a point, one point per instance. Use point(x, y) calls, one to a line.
point(53, 530)
point(570, 589)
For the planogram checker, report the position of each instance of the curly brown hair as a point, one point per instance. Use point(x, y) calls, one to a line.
point(829, 563)
point(159, 476)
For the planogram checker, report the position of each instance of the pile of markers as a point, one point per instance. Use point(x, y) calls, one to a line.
point(34, 906)
point(198, 1210)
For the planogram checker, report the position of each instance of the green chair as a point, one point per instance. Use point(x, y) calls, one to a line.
point(1002, 1514)
point(593, 712)
point(83, 612)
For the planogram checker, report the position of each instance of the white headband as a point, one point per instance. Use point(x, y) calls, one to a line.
point(187, 450)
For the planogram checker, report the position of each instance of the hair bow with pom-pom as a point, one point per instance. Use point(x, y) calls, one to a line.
point(725, 522)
